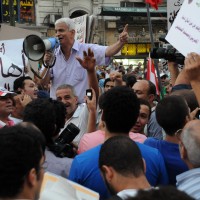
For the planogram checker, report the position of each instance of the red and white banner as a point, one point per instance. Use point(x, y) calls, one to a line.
point(151, 74)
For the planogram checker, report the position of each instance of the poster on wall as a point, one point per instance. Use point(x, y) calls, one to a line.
point(5, 10)
point(173, 7)
point(27, 11)
point(11, 62)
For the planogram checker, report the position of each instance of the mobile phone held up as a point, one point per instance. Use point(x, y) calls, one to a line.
point(89, 93)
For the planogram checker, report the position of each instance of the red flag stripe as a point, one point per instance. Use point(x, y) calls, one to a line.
point(151, 74)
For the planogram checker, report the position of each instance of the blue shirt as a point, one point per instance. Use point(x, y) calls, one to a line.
point(71, 72)
point(85, 170)
point(189, 182)
point(170, 152)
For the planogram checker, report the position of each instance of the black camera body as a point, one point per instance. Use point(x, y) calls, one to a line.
point(167, 52)
point(62, 146)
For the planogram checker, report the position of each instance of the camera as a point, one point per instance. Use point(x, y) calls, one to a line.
point(62, 146)
point(167, 52)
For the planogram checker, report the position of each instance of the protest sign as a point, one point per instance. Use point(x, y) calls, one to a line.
point(184, 35)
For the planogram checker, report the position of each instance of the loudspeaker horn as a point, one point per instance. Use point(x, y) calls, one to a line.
point(34, 47)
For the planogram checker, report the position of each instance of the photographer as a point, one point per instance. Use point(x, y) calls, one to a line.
point(49, 116)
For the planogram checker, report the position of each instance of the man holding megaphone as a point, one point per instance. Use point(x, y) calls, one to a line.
point(67, 69)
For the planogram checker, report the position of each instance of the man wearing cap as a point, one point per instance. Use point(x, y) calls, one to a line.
point(6, 107)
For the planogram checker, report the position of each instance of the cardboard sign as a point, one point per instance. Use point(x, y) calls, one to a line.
point(184, 35)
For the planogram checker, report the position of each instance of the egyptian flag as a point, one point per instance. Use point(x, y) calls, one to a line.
point(151, 74)
point(154, 3)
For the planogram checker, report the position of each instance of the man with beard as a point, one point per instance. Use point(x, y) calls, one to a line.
point(122, 167)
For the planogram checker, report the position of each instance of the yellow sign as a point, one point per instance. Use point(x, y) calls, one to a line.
point(26, 3)
point(133, 49)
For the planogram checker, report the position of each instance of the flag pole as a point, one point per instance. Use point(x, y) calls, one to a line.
point(152, 46)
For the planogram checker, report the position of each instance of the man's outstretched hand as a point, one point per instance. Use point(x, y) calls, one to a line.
point(88, 62)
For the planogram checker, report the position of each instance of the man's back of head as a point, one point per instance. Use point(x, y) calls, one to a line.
point(22, 155)
point(161, 193)
point(120, 108)
point(172, 113)
point(190, 138)
point(120, 159)
point(48, 115)
point(123, 155)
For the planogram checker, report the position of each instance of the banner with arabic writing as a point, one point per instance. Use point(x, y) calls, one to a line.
point(173, 7)
point(184, 35)
point(11, 62)
point(80, 26)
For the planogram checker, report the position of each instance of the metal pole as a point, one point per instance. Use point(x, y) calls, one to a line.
point(11, 11)
point(152, 46)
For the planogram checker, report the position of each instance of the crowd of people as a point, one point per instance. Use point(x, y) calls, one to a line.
point(121, 141)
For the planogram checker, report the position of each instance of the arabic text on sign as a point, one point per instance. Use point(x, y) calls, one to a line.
point(26, 3)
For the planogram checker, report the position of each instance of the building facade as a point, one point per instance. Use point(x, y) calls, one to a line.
point(110, 17)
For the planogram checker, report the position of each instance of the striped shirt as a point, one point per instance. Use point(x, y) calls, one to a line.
point(189, 182)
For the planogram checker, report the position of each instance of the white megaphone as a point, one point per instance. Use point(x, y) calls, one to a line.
point(34, 47)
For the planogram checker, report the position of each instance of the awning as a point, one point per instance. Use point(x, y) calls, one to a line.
point(124, 11)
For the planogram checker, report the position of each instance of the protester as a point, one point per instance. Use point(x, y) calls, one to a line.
point(22, 160)
point(92, 139)
point(26, 86)
point(145, 89)
point(117, 118)
point(161, 193)
point(122, 167)
point(172, 114)
point(49, 117)
point(189, 145)
point(67, 69)
point(6, 107)
point(78, 113)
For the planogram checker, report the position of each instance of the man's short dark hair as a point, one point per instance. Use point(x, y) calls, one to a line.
point(19, 82)
point(171, 113)
point(48, 115)
point(146, 103)
point(22, 147)
point(120, 109)
point(130, 80)
point(106, 80)
point(123, 155)
point(161, 193)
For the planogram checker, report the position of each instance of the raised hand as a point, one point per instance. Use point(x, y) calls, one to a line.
point(123, 37)
point(192, 66)
point(88, 62)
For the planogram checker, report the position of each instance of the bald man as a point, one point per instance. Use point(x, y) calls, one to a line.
point(189, 141)
point(146, 90)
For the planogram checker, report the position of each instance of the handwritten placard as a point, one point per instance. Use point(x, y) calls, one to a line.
point(184, 34)
point(173, 7)
point(11, 62)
